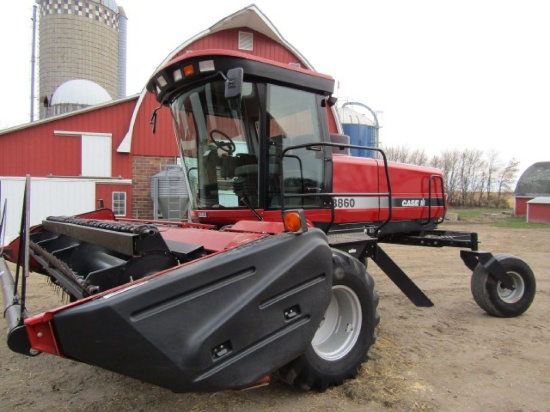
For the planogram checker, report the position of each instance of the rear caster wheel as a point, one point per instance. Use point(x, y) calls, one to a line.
point(498, 300)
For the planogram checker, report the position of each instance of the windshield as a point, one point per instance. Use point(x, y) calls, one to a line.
point(220, 145)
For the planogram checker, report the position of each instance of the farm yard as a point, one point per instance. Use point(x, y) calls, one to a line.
point(446, 358)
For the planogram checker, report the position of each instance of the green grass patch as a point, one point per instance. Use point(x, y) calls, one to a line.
point(496, 217)
point(520, 222)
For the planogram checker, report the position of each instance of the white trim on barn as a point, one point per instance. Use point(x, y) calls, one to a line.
point(78, 134)
point(67, 115)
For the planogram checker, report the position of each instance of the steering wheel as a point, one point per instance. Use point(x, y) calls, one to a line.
point(228, 146)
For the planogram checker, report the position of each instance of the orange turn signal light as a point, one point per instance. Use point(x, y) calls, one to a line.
point(293, 222)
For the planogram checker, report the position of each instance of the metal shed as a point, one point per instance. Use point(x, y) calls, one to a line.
point(538, 210)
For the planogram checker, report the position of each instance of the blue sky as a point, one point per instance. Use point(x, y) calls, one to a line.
point(446, 74)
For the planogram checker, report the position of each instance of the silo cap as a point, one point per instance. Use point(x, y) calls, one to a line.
point(80, 91)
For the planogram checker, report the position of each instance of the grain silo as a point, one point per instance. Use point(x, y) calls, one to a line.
point(79, 39)
point(362, 129)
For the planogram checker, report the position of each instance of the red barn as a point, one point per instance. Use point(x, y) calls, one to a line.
point(110, 148)
point(534, 182)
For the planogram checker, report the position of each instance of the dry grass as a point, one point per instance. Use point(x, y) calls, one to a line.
point(385, 379)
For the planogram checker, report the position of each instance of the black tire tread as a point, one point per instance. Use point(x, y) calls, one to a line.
point(483, 288)
point(298, 373)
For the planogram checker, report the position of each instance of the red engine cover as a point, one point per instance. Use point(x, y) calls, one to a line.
point(413, 190)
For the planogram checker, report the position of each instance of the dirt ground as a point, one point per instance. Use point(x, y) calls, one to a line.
point(449, 357)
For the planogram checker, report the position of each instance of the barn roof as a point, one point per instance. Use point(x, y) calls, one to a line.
point(250, 17)
point(541, 200)
point(78, 112)
point(535, 181)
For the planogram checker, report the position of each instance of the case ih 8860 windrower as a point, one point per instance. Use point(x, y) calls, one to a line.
point(269, 273)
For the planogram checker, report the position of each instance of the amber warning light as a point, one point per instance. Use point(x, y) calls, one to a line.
point(295, 221)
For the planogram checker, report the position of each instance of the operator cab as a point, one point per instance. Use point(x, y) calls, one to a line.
point(231, 110)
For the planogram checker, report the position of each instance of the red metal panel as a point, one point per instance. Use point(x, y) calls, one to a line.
point(229, 40)
point(538, 213)
point(36, 150)
point(144, 142)
point(520, 208)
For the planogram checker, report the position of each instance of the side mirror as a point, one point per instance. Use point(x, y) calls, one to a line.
point(234, 83)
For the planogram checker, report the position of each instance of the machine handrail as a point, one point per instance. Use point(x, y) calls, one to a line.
point(432, 177)
point(341, 146)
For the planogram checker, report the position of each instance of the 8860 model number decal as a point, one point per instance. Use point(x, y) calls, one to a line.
point(356, 202)
point(344, 202)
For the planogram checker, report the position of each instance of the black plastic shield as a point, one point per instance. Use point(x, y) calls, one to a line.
point(218, 323)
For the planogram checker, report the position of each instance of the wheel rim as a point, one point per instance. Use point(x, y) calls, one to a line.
point(512, 295)
point(341, 325)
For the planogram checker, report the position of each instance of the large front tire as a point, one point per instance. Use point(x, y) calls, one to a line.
point(345, 334)
point(497, 300)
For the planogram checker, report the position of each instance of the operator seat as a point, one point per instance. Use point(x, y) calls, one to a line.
point(245, 180)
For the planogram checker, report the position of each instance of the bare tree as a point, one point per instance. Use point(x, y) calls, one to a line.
point(397, 153)
point(448, 162)
point(471, 177)
point(418, 157)
point(404, 154)
point(467, 167)
point(493, 165)
point(505, 180)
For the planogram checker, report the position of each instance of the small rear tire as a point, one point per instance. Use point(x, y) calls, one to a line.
point(345, 334)
point(497, 300)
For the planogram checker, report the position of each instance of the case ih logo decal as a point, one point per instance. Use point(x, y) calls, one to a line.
point(376, 202)
point(416, 202)
point(413, 202)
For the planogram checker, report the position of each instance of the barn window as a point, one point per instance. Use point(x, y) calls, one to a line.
point(246, 41)
point(119, 203)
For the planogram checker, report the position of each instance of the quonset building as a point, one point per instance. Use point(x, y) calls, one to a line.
point(532, 194)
